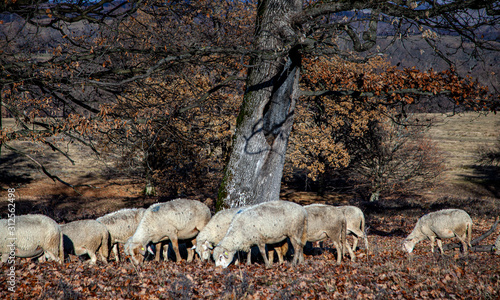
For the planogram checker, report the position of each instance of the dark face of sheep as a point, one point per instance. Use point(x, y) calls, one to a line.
point(223, 257)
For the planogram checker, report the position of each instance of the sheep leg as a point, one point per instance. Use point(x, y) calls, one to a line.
point(102, 256)
point(270, 255)
point(279, 248)
point(432, 243)
point(298, 257)
point(175, 246)
point(440, 245)
point(93, 257)
point(350, 250)
point(345, 247)
point(280, 255)
point(262, 249)
point(354, 242)
point(116, 252)
point(281, 251)
point(190, 251)
point(190, 255)
point(164, 248)
point(49, 254)
point(464, 243)
point(249, 257)
point(158, 248)
point(43, 258)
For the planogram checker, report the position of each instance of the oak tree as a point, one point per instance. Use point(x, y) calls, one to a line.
point(94, 65)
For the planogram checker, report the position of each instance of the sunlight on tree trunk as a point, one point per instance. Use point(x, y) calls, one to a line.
point(255, 167)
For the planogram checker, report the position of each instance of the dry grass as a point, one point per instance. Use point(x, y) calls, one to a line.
point(460, 137)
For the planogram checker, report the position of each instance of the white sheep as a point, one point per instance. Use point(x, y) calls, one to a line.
point(261, 224)
point(86, 237)
point(31, 236)
point(179, 219)
point(121, 225)
point(326, 221)
point(214, 231)
point(446, 223)
point(355, 222)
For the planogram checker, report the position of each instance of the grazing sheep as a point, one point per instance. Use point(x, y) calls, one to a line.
point(179, 219)
point(355, 222)
point(121, 225)
point(86, 237)
point(30, 236)
point(325, 221)
point(446, 223)
point(265, 223)
point(214, 231)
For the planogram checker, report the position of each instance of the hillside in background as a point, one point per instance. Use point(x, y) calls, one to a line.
point(461, 137)
point(415, 52)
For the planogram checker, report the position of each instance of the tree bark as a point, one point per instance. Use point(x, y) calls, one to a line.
point(254, 171)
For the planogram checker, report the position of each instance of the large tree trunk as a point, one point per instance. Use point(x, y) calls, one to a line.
point(254, 171)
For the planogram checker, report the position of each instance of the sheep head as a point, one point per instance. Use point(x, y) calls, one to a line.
point(136, 252)
point(204, 250)
point(408, 245)
point(223, 257)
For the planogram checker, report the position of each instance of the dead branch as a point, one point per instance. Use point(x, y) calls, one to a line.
point(483, 248)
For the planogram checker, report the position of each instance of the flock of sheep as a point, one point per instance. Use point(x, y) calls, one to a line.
point(271, 226)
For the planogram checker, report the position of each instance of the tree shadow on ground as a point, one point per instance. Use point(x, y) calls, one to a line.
point(10, 175)
point(486, 178)
point(63, 208)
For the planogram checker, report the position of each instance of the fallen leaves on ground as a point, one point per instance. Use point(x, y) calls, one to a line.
point(385, 273)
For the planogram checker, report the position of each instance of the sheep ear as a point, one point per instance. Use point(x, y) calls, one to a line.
point(193, 248)
point(150, 250)
point(208, 245)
